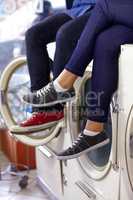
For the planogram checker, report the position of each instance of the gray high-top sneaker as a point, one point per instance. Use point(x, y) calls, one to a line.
point(84, 144)
point(48, 96)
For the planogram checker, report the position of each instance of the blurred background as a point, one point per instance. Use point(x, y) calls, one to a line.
point(16, 16)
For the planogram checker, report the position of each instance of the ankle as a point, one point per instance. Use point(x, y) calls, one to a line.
point(94, 126)
point(64, 84)
point(58, 87)
point(66, 79)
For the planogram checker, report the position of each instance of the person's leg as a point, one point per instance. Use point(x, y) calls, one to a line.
point(79, 60)
point(37, 37)
point(66, 41)
point(99, 20)
point(104, 84)
point(105, 13)
point(82, 55)
point(105, 70)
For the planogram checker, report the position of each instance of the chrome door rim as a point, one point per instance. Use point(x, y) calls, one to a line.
point(127, 148)
point(5, 111)
point(96, 173)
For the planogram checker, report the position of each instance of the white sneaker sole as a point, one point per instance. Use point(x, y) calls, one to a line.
point(49, 104)
point(29, 130)
point(105, 142)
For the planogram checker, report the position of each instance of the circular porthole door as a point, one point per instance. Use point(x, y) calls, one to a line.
point(96, 163)
point(129, 147)
point(14, 83)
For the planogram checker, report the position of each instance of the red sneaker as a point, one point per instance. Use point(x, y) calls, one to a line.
point(43, 118)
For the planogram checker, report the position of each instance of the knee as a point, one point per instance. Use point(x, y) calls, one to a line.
point(106, 45)
point(33, 35)
point(61, 36)
point(30, 34)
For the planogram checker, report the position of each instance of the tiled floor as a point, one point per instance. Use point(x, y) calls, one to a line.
point(10, 190)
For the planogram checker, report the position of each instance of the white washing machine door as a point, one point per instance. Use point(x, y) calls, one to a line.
point(129, 147)
point(14, 83)
point(97, 163)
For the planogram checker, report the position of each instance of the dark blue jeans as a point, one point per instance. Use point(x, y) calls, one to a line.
point(109, 26)
point(60, 28)
point(66, 32)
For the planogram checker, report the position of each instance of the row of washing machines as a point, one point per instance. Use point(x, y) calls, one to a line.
point(102, 174)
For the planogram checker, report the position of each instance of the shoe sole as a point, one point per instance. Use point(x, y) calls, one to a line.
point(29, 130)
point(49, 104)
point(105, 142)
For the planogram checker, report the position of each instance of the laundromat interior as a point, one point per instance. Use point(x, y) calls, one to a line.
point(33, 137)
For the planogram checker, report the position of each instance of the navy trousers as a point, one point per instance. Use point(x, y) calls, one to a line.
point(60, 28)
point(110, 25)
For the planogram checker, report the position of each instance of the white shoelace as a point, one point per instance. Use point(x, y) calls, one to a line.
point(43, 91)
point(77, 140)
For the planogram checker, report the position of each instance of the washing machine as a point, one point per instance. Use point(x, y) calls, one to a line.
point(125, 122)
point(95, 175)
point(14, 82)
point(60, 179)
